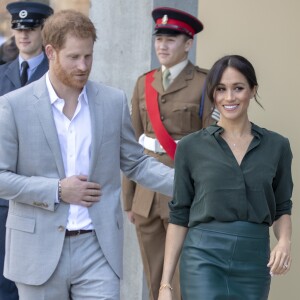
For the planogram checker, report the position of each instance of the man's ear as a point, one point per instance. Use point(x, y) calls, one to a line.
point(50, 52)
point(188, 45)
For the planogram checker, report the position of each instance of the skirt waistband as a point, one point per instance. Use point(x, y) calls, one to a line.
point(239, 228)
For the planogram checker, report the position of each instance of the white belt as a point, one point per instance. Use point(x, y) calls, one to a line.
point(152, 144)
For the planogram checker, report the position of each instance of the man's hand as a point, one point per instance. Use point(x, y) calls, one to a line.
point(130, 216)
point(77, 190)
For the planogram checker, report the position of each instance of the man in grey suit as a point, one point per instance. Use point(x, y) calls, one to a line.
point(63, 141)
point(26, 21)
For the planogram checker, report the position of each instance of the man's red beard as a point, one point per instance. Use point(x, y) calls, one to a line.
point(70, 79)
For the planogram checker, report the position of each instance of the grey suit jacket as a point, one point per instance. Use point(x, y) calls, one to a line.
point(31, 164)
point(10, 75)
point(10, 81)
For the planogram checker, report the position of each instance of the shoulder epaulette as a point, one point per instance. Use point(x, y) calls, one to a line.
point(156, 69)
point(202, 70)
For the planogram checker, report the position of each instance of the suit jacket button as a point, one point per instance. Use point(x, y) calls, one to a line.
point(61, 228)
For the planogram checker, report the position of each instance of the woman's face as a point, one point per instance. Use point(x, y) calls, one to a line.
point(232, 95)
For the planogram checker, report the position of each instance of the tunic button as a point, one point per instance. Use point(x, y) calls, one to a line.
point(61, 228)
point(163, 100)
point(162, 118)
point(185, 108)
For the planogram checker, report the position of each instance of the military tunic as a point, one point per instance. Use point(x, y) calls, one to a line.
point(179, 109)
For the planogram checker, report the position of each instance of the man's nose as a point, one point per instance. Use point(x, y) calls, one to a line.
point(82, 64)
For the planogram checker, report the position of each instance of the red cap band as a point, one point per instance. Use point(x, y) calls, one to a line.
point(176, 24)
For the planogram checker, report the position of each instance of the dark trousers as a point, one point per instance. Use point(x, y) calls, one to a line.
point(8, 289)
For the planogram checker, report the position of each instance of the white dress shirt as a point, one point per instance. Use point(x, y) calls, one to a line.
point(75, 143)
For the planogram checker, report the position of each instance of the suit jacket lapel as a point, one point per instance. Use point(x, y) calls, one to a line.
point(13, 73)
point(45, 115)
point(41, 69)
point(97, 122)
point(44, 111)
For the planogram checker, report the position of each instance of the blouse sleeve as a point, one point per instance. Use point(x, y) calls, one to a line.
point(283, 183)
point(183, 189)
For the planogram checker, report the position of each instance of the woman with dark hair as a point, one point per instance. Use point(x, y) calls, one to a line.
point(232, 182)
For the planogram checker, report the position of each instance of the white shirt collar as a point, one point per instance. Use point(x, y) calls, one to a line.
point(53, 96)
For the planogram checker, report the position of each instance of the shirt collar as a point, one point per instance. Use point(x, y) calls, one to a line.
point(256, 130)
point(32, 62)
point(175, 70)
point(53, 96)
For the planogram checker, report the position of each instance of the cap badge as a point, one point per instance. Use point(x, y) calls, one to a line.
point(23, 14)
point(165, 19)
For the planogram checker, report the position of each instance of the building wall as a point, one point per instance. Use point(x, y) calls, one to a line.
point(80, 5)
point(267, 33)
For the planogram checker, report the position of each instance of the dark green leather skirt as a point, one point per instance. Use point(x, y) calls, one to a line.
point(226, 260)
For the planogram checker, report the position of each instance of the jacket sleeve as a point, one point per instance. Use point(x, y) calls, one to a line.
point(143, 169)
point(129, 186)
point(37, 191)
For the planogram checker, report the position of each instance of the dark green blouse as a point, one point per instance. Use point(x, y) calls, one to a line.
point(210, 185)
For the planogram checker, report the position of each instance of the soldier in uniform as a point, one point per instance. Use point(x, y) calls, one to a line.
point(27, 21)
point(31, 64)
point(167, 104)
